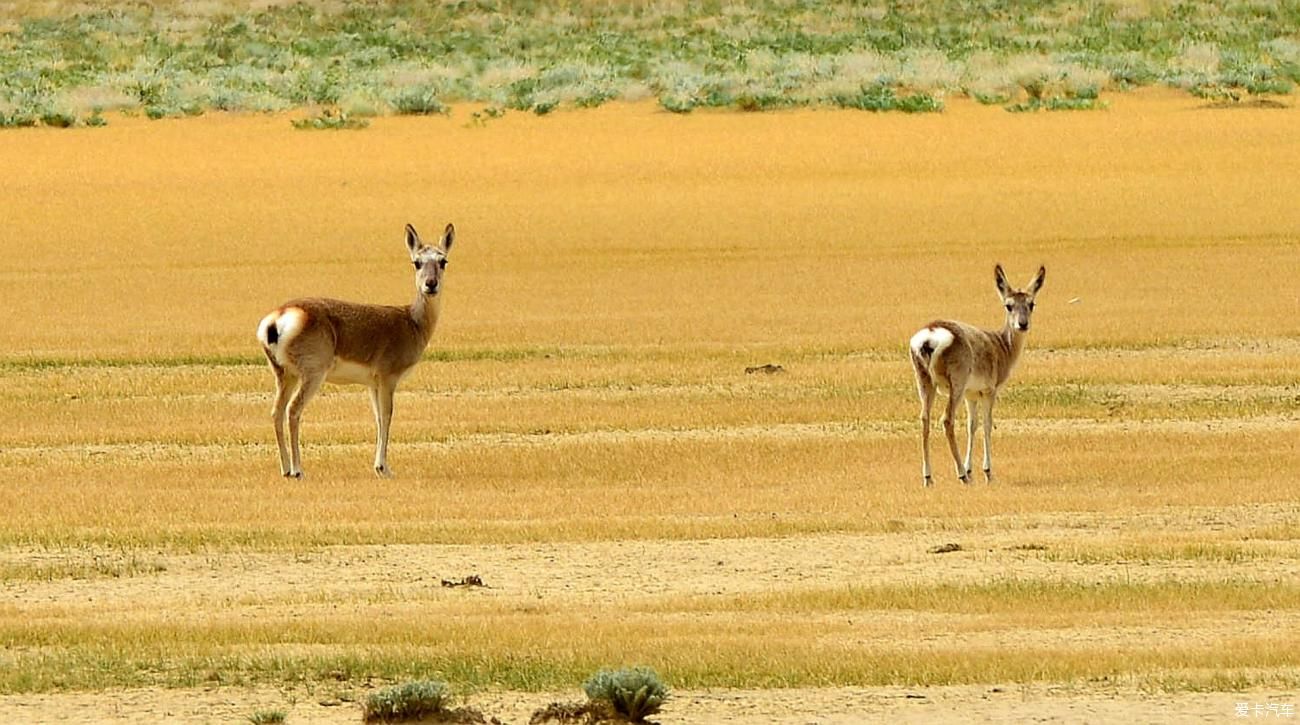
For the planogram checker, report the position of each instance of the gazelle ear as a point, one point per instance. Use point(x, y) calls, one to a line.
point(1037, 283)
point(412, 240)
point(448, 236)
point(1000, 277)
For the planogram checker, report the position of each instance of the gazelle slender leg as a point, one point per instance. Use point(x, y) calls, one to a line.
point(988, 438)
point(927, 400)
point(285, 383)
point(925, 390)
point(949, 429)
point(972, 425)
point(381, 396)
point(306, 390)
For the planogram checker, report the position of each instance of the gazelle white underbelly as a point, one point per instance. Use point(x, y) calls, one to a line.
point(347, 372)
point(978, 383)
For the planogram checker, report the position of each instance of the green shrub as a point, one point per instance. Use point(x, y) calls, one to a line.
point(410, 701)
point(761, 101)
point(18, 119)
point(418, 101)
point(594, 98)
point(878, 98)
point(676, 103)
point(920, 103)
point(1275, 86)
point(633, 693)
point(1090, 93)
point(58, 119)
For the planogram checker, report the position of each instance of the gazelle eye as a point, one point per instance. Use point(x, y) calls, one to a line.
point(1031, 305)
point(418, 264)
point(442, 263)
point(1008, 307)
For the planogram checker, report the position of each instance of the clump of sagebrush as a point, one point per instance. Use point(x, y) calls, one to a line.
point(58, 119)
point(418, 101)
point(410, 701)
point(267, 717)
point(633, 693)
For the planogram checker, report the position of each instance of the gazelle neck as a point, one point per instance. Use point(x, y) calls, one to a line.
point(1014, 339)
point(424, 311)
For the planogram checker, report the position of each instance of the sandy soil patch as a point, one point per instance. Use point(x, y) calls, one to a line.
point(838, 706)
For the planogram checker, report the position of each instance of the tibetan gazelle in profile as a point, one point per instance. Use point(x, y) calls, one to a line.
point(967, 362)
point(314, 340)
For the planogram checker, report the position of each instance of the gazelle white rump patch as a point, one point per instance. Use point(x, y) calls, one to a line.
point(938, 340)
point(288, 323)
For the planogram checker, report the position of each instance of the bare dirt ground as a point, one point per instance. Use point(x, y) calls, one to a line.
point(837, 706)
point(307, 584)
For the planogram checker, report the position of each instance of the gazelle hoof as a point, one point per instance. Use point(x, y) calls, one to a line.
point(988, 475)
point(293, 474)
point(926, 482)
point(383, 471)
point(964, 479)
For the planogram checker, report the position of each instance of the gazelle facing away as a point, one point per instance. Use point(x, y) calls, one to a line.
point(313, 340)
point(967, 362)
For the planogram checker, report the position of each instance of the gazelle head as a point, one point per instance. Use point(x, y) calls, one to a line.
point(430, 262)
point(1018, 303)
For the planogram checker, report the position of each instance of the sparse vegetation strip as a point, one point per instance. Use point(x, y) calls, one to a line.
point(64, 64)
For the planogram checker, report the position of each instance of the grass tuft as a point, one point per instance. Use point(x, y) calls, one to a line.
point(409, 701)
point(268, 717)
point(418, 101)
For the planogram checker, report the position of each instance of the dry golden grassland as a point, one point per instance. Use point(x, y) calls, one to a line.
point(584, 435)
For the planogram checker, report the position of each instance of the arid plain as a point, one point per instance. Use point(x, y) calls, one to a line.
point(584, 435)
